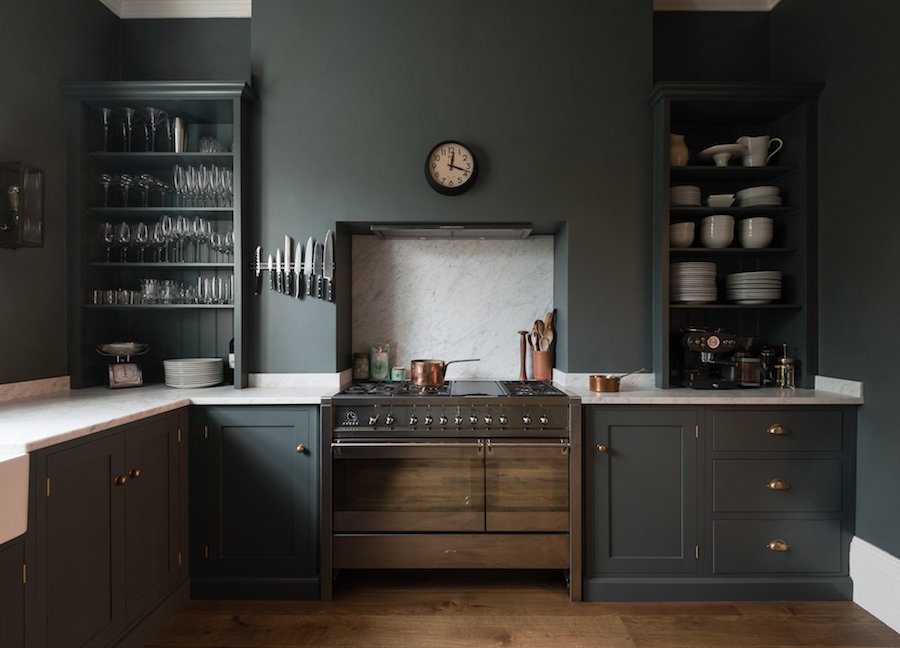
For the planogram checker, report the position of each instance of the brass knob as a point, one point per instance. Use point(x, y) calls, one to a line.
point(121, 480)
point(602, 448)
point(778, 484)
point(779, 430)
point(135, 473)
point(778, 545)
point(301, 449)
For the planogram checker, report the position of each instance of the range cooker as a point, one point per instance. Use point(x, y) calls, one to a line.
point(473, 475)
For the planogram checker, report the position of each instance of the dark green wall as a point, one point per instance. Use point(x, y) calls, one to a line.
point(853, 48)
point(552, 96)
point(209, 49)
point(43, 43)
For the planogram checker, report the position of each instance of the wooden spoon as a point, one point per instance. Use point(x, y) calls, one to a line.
point(548, 321)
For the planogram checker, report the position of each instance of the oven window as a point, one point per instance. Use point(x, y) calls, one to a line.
point(409, 489)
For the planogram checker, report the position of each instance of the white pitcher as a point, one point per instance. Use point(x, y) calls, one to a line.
point(758, 149)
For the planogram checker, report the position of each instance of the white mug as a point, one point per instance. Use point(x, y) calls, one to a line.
point(758, 149)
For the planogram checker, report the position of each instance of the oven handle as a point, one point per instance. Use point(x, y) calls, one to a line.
point(408, 444)
point(563, 445)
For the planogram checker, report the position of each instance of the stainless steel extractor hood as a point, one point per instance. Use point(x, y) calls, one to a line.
point(452, 231)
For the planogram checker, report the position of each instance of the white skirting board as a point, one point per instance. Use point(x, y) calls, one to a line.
point(876, 581)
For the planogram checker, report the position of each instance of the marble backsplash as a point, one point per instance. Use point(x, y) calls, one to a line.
point(451, 299)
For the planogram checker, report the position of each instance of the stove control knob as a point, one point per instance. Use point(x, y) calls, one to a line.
point(389, 419)
point(458, 419)
point(526, 419)
point(428, 420)
point(373, 420)
point(544, 419)
point(442, 420)
point(473, 419)
point(488, 420)
point(503, 419)
point(413, 420)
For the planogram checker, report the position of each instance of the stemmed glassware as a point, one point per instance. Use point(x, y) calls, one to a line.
point(158, 240)
point(123, 238)
point(128, 115)
point(141, 239)
point(145, 181)
point(107, 237)
point(105, 180)
point(125, 181)
point(106, 118)
point(154, 117)
point(180, 232)
point(166, 226)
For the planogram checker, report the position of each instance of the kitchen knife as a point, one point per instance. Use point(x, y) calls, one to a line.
point(298, 271)
point(279, 279)
point(287, 264)
point(308, 264)
point(328, 266)
point(317, 269)
point(257, 285)
point(271, 274)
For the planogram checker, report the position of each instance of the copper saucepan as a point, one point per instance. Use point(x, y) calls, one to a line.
point(430, 373)
point(609, 383)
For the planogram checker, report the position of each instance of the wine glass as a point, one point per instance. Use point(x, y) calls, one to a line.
point(178, 181)
point(190, 183)
point(158, 240)
point(228, 245)
point(141, 239)
point(144, 182)
point(199, 233)
point(165, 223)
point(105, 180)
point(127, 126)
point(229, 187)
point(203, 185)
point(107, 236)
point(106, 119)
point(154, 117)
point(123, 238)
point(180, 232)
point(125, 181)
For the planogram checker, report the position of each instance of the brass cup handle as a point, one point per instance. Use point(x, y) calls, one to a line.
point(779, 430)
point(778, 484)
point(135, 473)
point(602, 449)
point(121, 480)
point(778, 545)
point(301, 449)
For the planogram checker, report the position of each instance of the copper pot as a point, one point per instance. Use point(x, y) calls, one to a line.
point(430, 373)
point(609, 383)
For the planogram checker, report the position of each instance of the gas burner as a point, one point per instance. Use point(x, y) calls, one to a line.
point(402, 388)
point(530, 388)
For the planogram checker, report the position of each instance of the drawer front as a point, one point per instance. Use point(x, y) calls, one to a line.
point(810, 546)
point(777, 485)
point(776, 431)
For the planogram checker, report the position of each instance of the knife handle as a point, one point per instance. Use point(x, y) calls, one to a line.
point(329, 290)
point(298, 288)
point(310, 281)
point(257, 285)
point(320, 290)
point(272, 274)
point(288, 282)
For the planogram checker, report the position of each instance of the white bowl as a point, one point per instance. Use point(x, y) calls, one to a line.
point(717, 231)
point(755, 232)
point(757, 192)
point(681, 235)
point(720, 200)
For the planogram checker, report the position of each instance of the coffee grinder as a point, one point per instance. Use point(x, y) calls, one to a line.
point(706, 354)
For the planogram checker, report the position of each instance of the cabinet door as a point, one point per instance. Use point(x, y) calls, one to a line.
point(12, 595)
point(152, 513)
point(641, 490)
point(80, 540)
point(261, 497)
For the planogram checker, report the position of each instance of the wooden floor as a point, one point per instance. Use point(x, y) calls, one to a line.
point(449, 610)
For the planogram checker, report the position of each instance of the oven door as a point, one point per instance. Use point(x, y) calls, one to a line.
point(410, 485)
point(527, 485)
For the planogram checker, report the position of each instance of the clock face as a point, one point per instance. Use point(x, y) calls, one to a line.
point(124, 374)
point(451, 168)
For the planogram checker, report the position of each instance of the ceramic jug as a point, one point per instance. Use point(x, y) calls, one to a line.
point(678, 150)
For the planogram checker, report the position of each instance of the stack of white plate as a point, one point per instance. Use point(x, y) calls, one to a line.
point(764, 196)
point(193, 372)
point(685, 195)
point(693, 282)
point(753, 287)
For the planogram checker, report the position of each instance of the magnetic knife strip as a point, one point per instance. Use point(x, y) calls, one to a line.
point(299, 271)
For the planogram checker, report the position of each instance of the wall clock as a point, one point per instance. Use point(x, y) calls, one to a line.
point(451, 168)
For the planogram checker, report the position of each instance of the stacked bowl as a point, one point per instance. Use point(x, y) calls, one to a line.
point(685, 195)
point(693, 282)
point(756, 232)
point(763, 196)
point(193, 372)
point(759, 287)
point(717, 231)
point(681, 235)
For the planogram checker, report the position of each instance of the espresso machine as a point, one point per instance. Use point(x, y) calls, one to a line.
point(707, 358)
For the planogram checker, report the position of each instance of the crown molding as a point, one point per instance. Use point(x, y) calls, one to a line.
point(127, 9)
point(714, 5)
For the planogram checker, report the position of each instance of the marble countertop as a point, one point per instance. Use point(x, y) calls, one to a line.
point(28, 424)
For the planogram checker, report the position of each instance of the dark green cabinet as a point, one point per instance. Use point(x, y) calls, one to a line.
point(705, 502)
point(108, 531)
point(254, 502)
point(12, 593)
point(641, 482)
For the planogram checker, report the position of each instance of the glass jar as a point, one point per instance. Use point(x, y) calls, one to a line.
point(360, 366)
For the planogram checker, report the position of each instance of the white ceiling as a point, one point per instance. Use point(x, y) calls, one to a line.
point(241, 8)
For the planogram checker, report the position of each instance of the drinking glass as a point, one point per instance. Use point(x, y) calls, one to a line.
point(229, 187)
point(141, 239)
point(158, 240)
point(199, 234)
point(144, 182)
point(203, 186)
point(106, 119)
point(191, 185)
point(125, 181)
point(128, 115)
point(180, 232)
point(123, 238)
point(107, 237)
point(154, 117)
point(165, 223)
point(180, 188)
point(105, 180)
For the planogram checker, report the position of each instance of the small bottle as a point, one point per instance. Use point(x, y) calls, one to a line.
point(229, 372)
